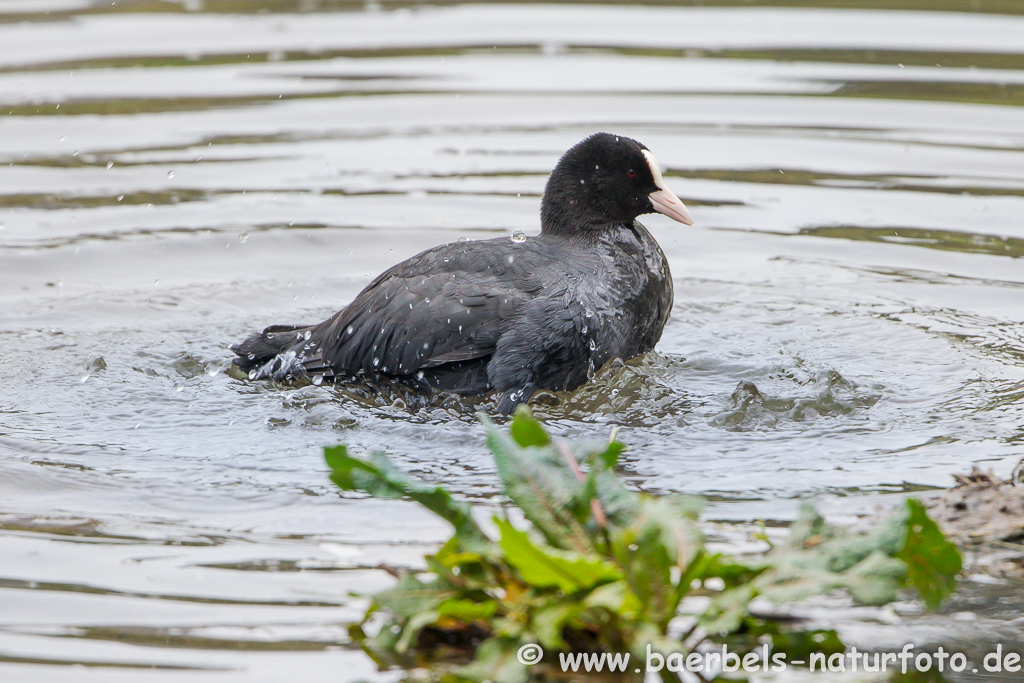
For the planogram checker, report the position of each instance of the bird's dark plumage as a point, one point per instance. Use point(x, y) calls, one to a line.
point(508, 315)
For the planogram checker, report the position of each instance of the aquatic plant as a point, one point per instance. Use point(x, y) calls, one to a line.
point(601, 568)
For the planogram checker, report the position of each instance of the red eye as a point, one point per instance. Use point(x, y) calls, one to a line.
point(631, 173)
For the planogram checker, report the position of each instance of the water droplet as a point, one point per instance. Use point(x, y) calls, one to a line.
point(518, 236)
point(349, 330)
point(120, 197)
point(318, 380)
point(253, 373)
point(170, 174)
point(376, 362)
point(110, 164)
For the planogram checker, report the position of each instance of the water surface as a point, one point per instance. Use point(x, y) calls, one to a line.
point(175, 176)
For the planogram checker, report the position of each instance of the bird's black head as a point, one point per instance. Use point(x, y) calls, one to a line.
point(602, 181)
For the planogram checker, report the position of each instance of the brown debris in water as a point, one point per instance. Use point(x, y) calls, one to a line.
point(984, 515)
point(981, 509)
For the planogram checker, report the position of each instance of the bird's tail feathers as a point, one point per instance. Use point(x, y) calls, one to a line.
point(271, 353)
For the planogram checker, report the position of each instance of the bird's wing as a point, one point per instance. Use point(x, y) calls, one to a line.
point(422, 313)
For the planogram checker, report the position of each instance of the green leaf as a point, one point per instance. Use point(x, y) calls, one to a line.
point(875, 580)
point(410, 596)
point(660, 542)
point(616, 598)
point(731, 570)
point(549, 621)
point(801, 644)
point(907, 550)
point(538, 479)
point(787, 637)
point(411, 632)
point(545, 567)
point(496, 661)
point(381, 479)
point(728, 609)
point(932, 561)
point(608, 457)
point(467, 610)
point(526, 430)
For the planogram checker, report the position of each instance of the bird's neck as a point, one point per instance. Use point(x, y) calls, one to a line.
point(567, 217)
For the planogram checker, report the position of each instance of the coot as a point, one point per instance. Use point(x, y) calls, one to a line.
point(507, 315)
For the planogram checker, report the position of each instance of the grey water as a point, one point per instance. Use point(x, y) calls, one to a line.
point(176, 175)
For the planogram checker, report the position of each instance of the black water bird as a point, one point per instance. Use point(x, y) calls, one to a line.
point(507, 315)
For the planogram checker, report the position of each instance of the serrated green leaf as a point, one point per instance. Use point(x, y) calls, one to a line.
point(539, 481)
point(659, 543)
point(545, 567)
point(907, 550)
